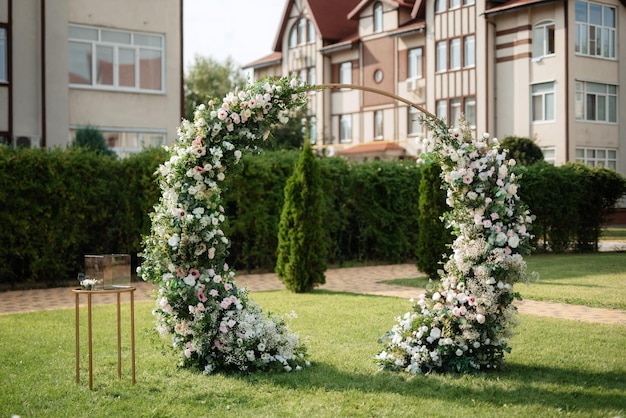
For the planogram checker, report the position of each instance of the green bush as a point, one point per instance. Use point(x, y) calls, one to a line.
point(56, 206)
point(91, 138)
point(434, 239)
point(301, 259)
point(523, 150)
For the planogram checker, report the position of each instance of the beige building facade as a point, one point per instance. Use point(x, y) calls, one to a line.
point(114, 65)
point(551, 71)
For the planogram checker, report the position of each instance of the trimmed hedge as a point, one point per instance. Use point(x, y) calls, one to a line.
point(56, 206)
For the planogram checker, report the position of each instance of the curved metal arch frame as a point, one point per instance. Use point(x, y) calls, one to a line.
point(377, 91)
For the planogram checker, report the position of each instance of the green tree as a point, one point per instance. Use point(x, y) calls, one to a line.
point(523, 150)
point(301, 259)
point(433, 237)
point(91, 138)
point(209, 79)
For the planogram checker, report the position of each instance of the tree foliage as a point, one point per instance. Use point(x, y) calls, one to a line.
point(433, 238)
point(523, 150)
point(208, 79)
point(301, 263)
point(91, 138)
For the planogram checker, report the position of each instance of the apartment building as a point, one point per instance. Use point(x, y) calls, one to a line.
point(115, 65)
point(548, 70)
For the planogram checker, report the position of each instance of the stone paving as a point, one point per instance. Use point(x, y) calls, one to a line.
point(363, 280)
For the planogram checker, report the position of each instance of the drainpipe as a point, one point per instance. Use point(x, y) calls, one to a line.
point(42, 31)
point(567, 47)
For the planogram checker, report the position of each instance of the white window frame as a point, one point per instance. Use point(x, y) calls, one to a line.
point(469, 51)
point(377, 17)
point(441, 5)
point(441, 56)
point(455, 111)
point(4, 55)
point(545, 92)
point(345, 129)
point(311, 32)
point(312, 125)
point(549, 155)
point(415, 62)
point(595, 37)
point(379, 119)
point(469, 111)
point(543, 39)
point(597, 157)
point(414, 127)
point(607, 101)
point(312, 75)
point(442, 110)
point(135, 46)
point(455, 54)
point(454, 4)
point(345, 72)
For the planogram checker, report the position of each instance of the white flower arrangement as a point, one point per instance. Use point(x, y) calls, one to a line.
point(213, 324)
point(462, 323)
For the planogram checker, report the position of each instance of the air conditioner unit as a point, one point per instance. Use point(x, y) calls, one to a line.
point(21, 141)
point(411, 84)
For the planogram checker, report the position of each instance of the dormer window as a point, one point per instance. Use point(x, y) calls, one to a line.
point(302, 32)
point(378, 17)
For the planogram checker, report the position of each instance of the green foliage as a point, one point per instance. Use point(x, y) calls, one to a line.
point(91, 138)
point(523, 150)
point(301, 258)
point(208, 79)
point(434, 238)
point(56, 206)
point(570, 202)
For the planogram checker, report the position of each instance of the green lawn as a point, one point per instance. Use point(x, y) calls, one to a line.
point(556, 368)
point(597, 279)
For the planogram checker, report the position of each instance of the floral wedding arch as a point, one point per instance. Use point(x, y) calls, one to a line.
point(460, 325)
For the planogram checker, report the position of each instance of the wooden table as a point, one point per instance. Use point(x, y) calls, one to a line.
point(89, 294)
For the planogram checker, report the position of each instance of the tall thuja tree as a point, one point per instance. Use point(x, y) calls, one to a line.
point(464, 322)
point(301, 261)
point(433, 239)
point(212, 323)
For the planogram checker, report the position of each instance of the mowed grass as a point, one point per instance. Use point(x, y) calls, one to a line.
point(557, 368)
point(595, 280)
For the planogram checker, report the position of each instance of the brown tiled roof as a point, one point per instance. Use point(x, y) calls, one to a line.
point(329, 16)
point(409, 28)
point(271, 59)
point(514, 4)
point(372, 147)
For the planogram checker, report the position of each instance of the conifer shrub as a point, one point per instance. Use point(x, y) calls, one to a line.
point(301, 253)
point(433, 239)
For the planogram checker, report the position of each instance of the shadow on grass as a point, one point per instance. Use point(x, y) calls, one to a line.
point(520, 385)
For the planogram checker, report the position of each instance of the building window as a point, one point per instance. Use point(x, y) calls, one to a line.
point(549, 155)
point(455, 4)
point(303, 75)
point(595, 30)
point(597, 157)
point(470, 112)
point(455, 112)
point(442, 109)
point(378, 17)
point(469, 51)
point(440, 5)
point(415, 63)
point(345, 128)
point(311, 32)
point(313, 130)
point(4, 61)
point(378, 124)
point(542, 102)
point(117, 60)
point(596, 102)
point(345, 73)
point(302, 29)
point(468, 2)
point(455, 53)
point(543, 39)
point(293, 36)
point(130, 141)
point(312, 77)
point(441, 51)
point(414, 124)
